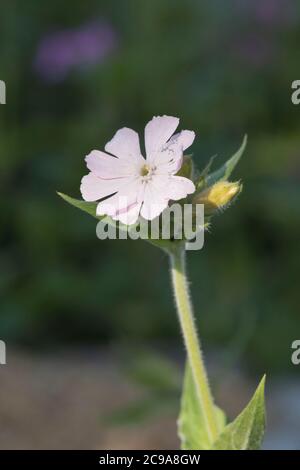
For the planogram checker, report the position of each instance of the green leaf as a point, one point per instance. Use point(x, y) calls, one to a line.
point(89, 207)
point(201, 180)
point(191, 425)
point(247, 430)
point(187, 167)
point(225, 171)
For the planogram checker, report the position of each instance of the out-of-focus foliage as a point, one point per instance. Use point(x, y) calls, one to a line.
point(159, 378)
point(225, 68)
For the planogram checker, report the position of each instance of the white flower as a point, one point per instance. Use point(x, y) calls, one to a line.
point(138, 186)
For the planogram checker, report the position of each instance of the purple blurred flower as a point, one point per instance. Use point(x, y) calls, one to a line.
point(273, 12)
point(255, 50)
point(270, 13)
point(61, 52)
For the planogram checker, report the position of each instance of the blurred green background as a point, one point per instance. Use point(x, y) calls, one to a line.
point(78, 71)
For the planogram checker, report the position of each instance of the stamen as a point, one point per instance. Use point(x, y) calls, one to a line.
point(145, 170)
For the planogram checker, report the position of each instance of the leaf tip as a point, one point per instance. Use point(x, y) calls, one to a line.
point(63, 196)
point(260, 391)
point(263, 382)
point(244, 144)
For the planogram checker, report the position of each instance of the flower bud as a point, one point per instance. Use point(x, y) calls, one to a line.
point(217, 196)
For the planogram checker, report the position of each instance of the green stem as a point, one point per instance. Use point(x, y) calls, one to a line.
point(192, 342)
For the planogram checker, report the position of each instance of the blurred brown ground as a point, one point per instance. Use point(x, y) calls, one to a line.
point(60, 401)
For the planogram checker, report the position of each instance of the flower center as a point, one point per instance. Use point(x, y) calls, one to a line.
point(145, 170)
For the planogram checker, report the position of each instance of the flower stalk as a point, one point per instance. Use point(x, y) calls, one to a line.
point(191, 339)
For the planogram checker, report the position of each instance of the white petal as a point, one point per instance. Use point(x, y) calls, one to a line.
point(179, 187)
point(124, 144)
point(168, 161)
point(131, 216)
point(184, 139)
point(154, 202)
point(114, 205)
point(157, 133)
point(107, 167)
point(123, 201)
point(160, 184)
point(93, 188)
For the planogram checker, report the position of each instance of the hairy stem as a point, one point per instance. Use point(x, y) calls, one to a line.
point(191, 340)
